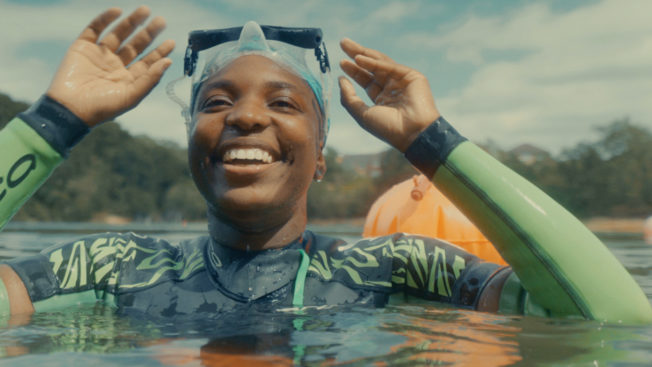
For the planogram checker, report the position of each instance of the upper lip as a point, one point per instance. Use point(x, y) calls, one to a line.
point(245, 144)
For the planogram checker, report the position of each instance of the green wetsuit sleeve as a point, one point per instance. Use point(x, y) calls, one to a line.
point(33, 145)
point(563, 266)
point(27, 160)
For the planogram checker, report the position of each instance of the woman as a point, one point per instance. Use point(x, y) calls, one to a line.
point(257, 125)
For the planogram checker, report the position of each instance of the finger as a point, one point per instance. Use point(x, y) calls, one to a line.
point(350, 100)
point(158, 53)
point(142, 66)
point(360, 75)
point(121, 32)
point(148, 79)
point(352, 49)
point(141, 41)
point(92, 32)
point(364, 78)
point(382, 69)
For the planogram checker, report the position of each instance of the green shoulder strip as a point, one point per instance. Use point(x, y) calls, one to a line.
point(62, 301)
point(4, 300)
point(25, 163)
point(564, 266)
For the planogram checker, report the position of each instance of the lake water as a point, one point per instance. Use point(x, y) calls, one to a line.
point(409, 335)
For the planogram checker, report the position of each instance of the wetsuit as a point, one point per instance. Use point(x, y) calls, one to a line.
point(200, 276)
point(545, 245)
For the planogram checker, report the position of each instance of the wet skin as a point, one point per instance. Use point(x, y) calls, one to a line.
point(254, 150)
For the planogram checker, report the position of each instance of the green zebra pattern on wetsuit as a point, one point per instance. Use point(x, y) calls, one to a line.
point(86, 260)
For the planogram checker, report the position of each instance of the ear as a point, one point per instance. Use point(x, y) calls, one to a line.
point(320, 167)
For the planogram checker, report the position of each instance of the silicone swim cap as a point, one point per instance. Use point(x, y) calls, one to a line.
point(288, 47)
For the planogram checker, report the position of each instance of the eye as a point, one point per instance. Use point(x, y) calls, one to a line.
point(284, 105)
point(215, 103)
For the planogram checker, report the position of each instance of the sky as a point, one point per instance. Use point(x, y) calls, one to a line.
point(506, 71)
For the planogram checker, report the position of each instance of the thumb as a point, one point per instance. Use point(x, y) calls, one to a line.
point(353, 104)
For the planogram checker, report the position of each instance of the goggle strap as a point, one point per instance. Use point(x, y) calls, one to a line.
point(300, 37)
point(189, 61)
point(322, 57)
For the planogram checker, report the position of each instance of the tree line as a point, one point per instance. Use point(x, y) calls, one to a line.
point(113, 172)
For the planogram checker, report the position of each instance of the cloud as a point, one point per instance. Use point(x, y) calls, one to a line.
point(393, 12)
point(547, 78)
point(530, 74)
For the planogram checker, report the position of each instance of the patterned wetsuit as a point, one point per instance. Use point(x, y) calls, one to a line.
point(199, 276)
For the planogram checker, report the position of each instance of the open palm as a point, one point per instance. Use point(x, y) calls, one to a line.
point(402, 102)
point(100, 80)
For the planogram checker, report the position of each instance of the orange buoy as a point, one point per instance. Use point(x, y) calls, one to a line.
point(647, 230)
point(416, 206)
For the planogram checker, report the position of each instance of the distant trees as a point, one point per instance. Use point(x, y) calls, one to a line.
point(112, 172)
point(342, 193)
point(9, 108)
point(611, 176)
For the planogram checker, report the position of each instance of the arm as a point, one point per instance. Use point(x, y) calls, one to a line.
point(546, 246)
point(97, 80)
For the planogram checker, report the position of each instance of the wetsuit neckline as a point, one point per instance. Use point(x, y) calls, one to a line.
point(249, 275)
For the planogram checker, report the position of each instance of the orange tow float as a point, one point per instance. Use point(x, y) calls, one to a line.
point(416, 206)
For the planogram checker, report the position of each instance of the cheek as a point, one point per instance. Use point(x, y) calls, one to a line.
point(203, 140)
point(303, 132)
point(304, 135)
point(204, 133)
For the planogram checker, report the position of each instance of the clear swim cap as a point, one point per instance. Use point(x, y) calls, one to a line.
point(288, 47)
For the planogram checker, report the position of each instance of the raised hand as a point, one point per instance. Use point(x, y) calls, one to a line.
point(403, 104)
point(99, 79)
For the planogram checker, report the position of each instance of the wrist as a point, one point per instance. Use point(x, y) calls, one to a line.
point(432, 146)
point(56, 124)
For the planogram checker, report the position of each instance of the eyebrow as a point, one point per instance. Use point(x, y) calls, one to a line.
point(218, 84)
point(281, 85)
point(228, 84)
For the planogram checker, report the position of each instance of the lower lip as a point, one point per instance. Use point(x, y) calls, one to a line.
point(247, 169)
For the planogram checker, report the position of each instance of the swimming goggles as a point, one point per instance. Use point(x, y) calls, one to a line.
point(309, 38)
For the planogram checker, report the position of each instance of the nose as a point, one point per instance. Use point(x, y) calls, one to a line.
point(248, 115)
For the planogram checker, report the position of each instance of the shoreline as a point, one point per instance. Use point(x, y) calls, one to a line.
point(629, 227)
point(615, 225)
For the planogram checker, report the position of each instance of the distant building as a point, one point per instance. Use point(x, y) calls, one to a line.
point(529, 154)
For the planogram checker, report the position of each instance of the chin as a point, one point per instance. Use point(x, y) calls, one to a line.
point(248, 205)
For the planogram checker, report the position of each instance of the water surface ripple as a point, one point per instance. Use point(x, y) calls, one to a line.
point(398, 335)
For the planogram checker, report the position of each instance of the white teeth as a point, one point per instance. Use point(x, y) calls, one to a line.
point(248, 154)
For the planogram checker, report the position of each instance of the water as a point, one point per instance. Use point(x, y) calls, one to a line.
point(409, 335)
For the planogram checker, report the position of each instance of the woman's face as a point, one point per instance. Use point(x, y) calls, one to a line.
point(254, 144)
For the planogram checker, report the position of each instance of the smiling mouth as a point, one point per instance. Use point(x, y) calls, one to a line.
point(245, 156)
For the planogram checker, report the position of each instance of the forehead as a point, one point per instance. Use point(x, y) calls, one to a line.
point(255, 71)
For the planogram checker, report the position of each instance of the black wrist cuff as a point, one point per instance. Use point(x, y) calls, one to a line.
point(56, 124)
point(431, 148)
